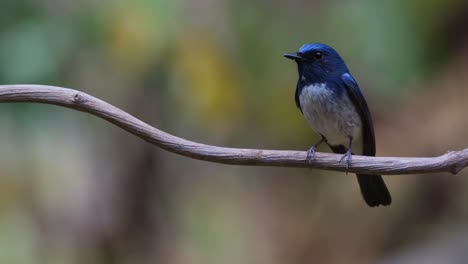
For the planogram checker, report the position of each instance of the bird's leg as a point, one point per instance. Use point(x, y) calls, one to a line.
point(348, 154)
point(311, 151)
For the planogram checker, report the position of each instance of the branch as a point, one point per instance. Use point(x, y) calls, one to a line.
point(451, 162)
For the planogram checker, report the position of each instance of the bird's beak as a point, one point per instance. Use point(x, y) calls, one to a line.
point(294, 56)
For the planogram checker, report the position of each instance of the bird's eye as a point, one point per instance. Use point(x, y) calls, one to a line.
point(318, 55)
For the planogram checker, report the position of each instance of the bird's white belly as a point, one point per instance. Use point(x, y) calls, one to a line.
point(334, 117)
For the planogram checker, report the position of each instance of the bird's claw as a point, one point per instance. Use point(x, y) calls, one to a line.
point(347, 157)
point(310, 155)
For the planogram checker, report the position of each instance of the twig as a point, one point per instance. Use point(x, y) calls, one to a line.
point(451, 162)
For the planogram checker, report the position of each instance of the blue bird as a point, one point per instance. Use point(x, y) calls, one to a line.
point(333, 105)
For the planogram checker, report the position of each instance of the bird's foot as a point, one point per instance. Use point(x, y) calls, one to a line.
point(311, 152)
point(311, 155)
point(347, 157)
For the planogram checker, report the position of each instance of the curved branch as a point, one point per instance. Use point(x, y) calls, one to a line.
point(451, 162)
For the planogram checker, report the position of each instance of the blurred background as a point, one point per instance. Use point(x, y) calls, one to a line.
point(76, 189)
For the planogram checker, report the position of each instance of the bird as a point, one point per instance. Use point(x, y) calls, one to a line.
point(333, 105)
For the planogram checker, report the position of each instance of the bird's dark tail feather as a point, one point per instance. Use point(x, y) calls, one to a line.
point(373, 187)
point(373, 190)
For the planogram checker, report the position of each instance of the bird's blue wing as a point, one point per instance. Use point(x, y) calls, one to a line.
point(373, 188)
point(361, 106)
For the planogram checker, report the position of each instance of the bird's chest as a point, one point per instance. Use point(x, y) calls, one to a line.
point(330, 114)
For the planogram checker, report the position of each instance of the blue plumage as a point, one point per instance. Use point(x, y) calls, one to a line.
point(334, 106)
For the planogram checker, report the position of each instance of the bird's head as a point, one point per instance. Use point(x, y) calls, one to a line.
point(318, 63)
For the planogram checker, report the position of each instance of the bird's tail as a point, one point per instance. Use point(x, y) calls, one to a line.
point(373, 190)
